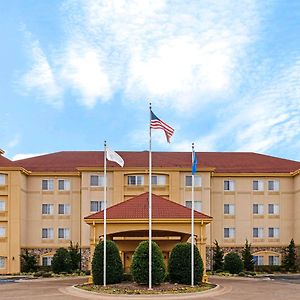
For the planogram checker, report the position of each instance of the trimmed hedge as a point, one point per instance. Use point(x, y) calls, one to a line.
point(140, 264)
point(180, 264)
point(61, 261)
point(114, 267)
point(233, 263)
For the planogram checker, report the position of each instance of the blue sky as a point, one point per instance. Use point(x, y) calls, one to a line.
point(225, 74)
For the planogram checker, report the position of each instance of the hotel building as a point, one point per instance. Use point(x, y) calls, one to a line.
point(50, 200)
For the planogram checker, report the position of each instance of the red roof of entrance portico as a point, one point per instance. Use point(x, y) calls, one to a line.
point(138, 208)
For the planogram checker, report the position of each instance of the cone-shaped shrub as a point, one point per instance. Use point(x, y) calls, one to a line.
point(180, 264)
point(61, 261)
point(140, 264)
point(114, 267)
point(233, 263)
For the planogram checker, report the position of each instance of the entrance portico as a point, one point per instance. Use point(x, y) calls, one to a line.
point(127, 225)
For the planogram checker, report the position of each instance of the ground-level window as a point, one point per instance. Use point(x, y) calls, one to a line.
point(258, 260)
point(46, 261)
point(274, 260)
point(197, 205)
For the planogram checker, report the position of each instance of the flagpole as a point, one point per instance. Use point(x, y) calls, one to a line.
point(104, 222)
point(150, 206)
point(193, 196)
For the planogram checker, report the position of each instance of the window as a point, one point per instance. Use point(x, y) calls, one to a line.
point(47, 261)
point(63, 185)
point(2, 232)
point(197, 180)
point(64, 209)
point(273, 209)
point(2, 179)
point(64, 233)
point(159, 180)
point(228, 185)
point(197, 205)
point(273, 232)
point(258, 260)
point(258, 185)
point(2, 205)
point(229, 233)
point(274, 260)
point(97, 206)
point(47, 184)
point(97, 180)
point(229, 209)
point(273, 185)
point(2, 262)
point(135, 180)
point(47, 233)
point(47, 209)
point(258, 232)
point(258, 209)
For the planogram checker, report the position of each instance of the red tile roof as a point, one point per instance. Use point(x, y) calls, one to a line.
point(5, 162)
point(138, 208)
point(223, 162)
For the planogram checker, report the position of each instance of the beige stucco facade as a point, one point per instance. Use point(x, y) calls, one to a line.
point(24, 220)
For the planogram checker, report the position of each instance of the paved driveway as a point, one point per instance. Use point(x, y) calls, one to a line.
point(230, 289)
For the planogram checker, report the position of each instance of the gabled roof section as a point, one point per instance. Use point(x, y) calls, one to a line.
point(222, 162)
point(138, 208)
point(5, 162)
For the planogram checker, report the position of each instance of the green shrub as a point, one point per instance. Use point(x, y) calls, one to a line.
point(247, 257)
point(61, 261)
point(218, 261)
point(28, 262)
point(114, 267)
point(289, 259)
point(180, 264)
point(268, 268)
point(127, 277)
point(75, 256)
point(140, 264)
point(233, 263)
point(46, 275)
point(242, 274)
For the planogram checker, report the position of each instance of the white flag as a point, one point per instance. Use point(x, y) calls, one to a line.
point(113, 156)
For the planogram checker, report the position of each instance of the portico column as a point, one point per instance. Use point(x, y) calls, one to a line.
point(201, 245)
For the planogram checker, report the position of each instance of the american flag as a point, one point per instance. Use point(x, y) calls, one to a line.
point(156, 123)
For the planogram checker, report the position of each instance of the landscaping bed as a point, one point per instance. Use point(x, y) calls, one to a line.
point(131, 288)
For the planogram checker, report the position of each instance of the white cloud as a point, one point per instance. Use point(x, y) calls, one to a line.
point(26, 155)
point(14, 141)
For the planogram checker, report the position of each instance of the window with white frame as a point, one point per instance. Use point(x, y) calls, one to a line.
point(258, 209)
point(47, 233)
point(258, 232)
point(229, 233)
point(47, 184)
point(197, 205)
point(64, 209)
point(258, 185)
point(2, 231)
point(273, 232)
point(135, 180)
point(47, 209)
point(47, 260)
point(97, 180)
point(2, 179)
point(229, 209)
point(64, 233)
point(159, 180)
point(258, 260)
point(273, 209)
point(274, 260)
point(273, 185)
point(2, 205)
point(63, 184)
point(2, 262)
point(96, 205)
point(197, 180)
point(229, 185)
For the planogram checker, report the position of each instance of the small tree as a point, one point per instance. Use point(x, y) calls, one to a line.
point(28, 262)
point(248, 257)
point(114, 267)
point(289, 260)
point(140, 264)
point(233, 263)
point(61, 261)
point(75, 256)
point(180, 264)
point(218, 261)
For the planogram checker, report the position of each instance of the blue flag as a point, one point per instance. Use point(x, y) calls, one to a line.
point(194, 163)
